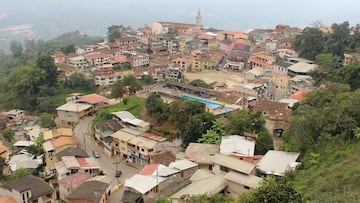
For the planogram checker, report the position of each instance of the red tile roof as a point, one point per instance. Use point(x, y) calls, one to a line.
point(154, 137)
point(75, 180)
point(63, 141)
point(300, 95)
point(149, 169)
point(93, 99)
point(275, 110)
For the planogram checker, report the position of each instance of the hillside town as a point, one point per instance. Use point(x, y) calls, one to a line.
point(126, 157)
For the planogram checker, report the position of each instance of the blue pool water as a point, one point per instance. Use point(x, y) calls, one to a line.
point(212, 105)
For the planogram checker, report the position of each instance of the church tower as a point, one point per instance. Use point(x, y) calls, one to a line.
point(199, 19)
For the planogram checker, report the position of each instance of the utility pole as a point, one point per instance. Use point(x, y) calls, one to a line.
point(116, 171)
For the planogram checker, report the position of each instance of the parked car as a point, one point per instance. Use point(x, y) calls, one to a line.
point(96, 154)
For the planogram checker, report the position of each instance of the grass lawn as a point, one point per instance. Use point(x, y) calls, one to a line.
point(132, 104)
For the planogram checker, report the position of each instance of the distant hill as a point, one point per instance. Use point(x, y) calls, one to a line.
point(76, 38)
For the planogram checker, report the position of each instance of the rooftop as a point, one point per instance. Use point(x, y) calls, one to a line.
point(183, 164)
point(201, 153)
point(93, 99)
point(74, 107)
point(233, 163)
point(250, 181)
point(89, 190)
point(237, 145)
point(37, 186)
point(75, 180)
point(277, 162)
point(141, 183)
point(302, 67)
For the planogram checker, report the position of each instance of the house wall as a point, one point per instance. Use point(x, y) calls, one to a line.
point(68, 116)
point(64, 191)
point(234, 189)
point(47, 198)
point(14, 194)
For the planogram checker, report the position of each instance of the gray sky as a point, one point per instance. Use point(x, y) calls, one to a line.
point(94, 16)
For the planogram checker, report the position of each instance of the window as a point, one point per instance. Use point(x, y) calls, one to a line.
point(223, 168)
point(247, 187)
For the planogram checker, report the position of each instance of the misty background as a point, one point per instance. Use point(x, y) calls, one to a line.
point(45, 19)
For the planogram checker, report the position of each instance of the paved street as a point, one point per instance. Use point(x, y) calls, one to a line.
point(107, 163)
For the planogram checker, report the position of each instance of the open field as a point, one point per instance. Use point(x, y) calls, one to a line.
point(230, 78)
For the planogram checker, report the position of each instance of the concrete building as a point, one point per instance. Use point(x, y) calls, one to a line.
point(28, 189)
point(79, 62)
point(70, 113)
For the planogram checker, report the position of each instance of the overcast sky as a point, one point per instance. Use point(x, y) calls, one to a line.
point(94, 16)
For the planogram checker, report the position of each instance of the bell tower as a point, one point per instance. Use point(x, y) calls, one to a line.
point(199, 19)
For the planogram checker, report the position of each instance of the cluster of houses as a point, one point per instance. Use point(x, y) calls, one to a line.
point(70, 175)
point(230, 168)
point(274, 79)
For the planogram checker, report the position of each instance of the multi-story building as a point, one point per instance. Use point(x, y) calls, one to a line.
point(105, 76)
point(181, 28)
point(28, 189)
point(204, 60)
point(182, 63)
point(78, 62)
point(262, 61)
point(120, 141)
point(97, 59)
point(70, 165)
point(139, 60)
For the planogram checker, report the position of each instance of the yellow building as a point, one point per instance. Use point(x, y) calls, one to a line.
point(121, 138)
point(48, 135)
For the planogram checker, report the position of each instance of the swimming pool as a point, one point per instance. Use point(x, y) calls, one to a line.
point(212, 105)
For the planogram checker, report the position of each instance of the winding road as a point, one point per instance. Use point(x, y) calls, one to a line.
point(107, 163)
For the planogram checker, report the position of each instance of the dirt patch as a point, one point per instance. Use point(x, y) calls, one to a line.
point(230, 78)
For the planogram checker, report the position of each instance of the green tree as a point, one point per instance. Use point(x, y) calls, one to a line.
point(46, 63)
point(163, 200)
point(8, 134)
point(24, 85)
point(115, 31)
point(215, 198)
point(37, 148)
point(2, 165)
point(117, 89)
point(195, 127)
point(155, 107)
point(339, 39)
point(274, 190)
point(147, 79)
point(310, 43)
point(79, 80)
point(68, 49)
point(245, 121)
point(133, 84)
point(213, 135)
point(16, 49)
point(193, 108)
point(18, 174)
point(264, 142)
point(47, 121)
point(199, 83)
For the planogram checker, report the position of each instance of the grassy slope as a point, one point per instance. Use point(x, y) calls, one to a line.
point(133, 105)
point(332, 177)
